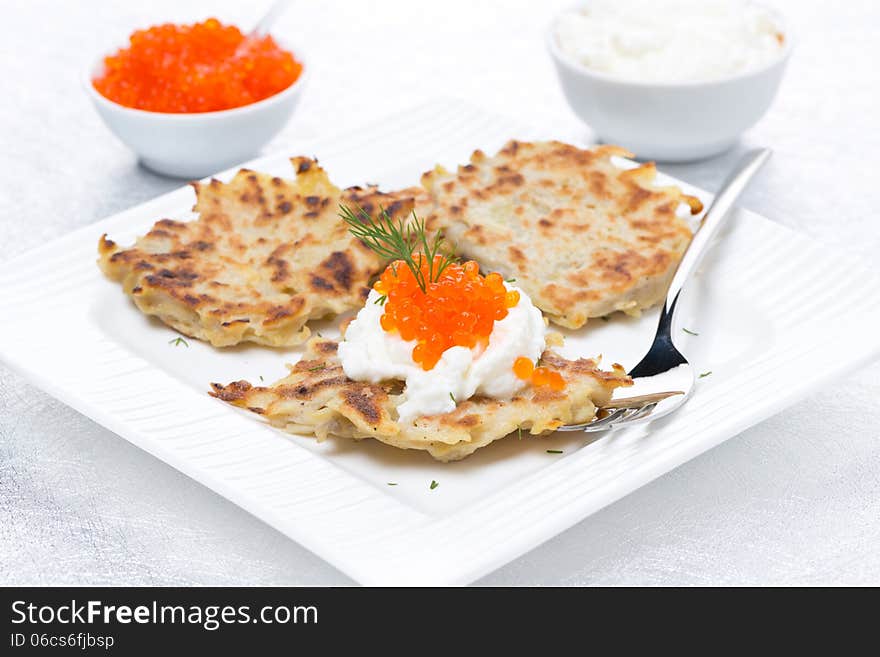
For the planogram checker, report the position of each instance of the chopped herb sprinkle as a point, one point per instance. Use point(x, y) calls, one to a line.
point(689, 332)
point(554, 451)
point(705, 374)
point(317, 367)
point(392, 483)
point(452, 397)
point(434, 484)
point(179, 341)
point(381, 300)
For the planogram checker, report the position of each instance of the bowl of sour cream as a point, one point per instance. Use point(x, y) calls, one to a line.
point(676, 80)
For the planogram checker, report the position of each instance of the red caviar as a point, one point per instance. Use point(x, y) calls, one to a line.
point(543, 376)
point(460, 308)
point(538, 376)
point(201, 67)
point(523, 368)
point(555, 380)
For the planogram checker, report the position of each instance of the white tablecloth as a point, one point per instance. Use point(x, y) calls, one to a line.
point(795, 500)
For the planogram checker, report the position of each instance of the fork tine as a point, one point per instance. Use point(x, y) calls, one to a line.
point(615, 419)
point(607, 421)
point(619, 418)
point(602, 422)
point(622, 411)
point(642, 412)
point(641, 400)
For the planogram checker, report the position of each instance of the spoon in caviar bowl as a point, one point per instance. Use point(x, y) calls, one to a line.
point(265, 24)
point(664, 380)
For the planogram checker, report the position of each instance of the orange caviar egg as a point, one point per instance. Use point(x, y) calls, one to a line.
point(458, 308)
point(523, 368)
point(555, 381)
point(541, 376)
point(203, 67)
point(538, 376)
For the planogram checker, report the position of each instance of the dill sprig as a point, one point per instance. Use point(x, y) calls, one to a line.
point(401, 240)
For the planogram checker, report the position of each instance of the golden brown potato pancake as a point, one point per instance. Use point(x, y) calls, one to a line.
point(318, 398)
point(265, 256)
point(581, 236)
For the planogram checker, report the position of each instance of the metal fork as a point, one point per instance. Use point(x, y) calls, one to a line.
point(663, 379)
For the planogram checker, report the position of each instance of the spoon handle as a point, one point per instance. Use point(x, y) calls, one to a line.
point(715, 216)
point(265, 23)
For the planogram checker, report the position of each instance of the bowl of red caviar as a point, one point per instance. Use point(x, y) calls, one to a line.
point(194, 99)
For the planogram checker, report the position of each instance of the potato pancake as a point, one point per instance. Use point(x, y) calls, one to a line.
point(317, 398)
point(265, 256)
point(581, 236)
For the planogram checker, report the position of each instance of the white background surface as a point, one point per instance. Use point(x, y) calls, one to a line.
point(795, 500)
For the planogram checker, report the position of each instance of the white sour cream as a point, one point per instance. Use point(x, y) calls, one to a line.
point(369, 353)
point(672, 40)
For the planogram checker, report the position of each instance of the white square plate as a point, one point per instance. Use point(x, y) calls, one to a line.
point(776, 314)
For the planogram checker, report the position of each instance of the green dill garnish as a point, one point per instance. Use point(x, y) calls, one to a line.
point(554, 451)
point(452, 397)
point(399, 241)
point(381, 300)
point(705, 374)
point(392, 483)
point(261, 377)
point(318, 367)
point(179, 341)
point(510, 280)
point(434, 484)
point(519, 432)
point(689, 332)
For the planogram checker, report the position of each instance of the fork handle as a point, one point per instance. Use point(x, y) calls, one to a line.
point(714, 217)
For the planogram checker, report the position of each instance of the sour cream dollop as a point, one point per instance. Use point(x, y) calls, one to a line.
point(670, 41)
point(369, 353)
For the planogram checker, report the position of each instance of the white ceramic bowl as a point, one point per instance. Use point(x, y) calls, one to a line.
point(673, 122)
point(197, 145)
